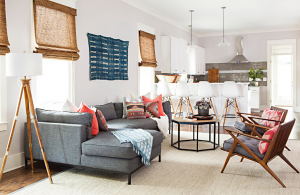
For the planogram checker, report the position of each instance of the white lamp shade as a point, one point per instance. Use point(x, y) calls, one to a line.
point(24, 64)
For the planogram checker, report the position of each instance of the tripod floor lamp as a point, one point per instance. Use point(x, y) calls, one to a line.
point(25, 64)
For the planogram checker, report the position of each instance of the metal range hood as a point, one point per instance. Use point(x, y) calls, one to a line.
point(239, 58)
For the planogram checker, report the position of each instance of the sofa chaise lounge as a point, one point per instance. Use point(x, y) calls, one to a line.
point(67, 139)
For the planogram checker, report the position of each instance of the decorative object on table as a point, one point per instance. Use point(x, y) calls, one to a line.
point(141, 141)
point(191, 46)
point(108, 58)
point(213, 75)
point(168, 78)
point(147, 49)
point(247, 146)
point(199, 117)
point(223, 42)
point(25, 64)
point(203, 107)
point(255, 75)
point(135, 110)
point(151, 109)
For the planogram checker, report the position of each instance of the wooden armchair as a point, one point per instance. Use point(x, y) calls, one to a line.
point(250, 119)
point(246, 146)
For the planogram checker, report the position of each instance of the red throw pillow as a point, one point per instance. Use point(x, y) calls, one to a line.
point(263, 145)
point(84, 108)
point(157, 99)
point(270, 114)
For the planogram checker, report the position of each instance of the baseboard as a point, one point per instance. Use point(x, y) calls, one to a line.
point(263, 107)
point(13, 162)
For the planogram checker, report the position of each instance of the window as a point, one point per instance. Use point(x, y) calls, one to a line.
point(147, 49)
point(55, 86)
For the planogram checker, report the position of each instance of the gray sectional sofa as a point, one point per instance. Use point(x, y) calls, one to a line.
point(67, 139)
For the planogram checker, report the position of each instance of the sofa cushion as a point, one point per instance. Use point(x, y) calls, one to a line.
point(119, 109)
point(251, 143)
point(123, 123)
point(105, 144)
point(108, 110)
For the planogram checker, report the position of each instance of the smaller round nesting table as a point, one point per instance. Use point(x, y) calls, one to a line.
point(180, 121)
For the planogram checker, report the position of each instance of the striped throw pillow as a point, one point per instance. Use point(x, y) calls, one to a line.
point(135, 110)
point(101, 119)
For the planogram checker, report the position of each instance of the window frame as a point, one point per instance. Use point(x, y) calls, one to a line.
point(3, 95)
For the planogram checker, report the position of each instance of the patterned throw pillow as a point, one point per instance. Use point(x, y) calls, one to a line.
point(125, 99)
point(135, 110)
point(101, 119)
point(272, 115)
point(263, 145)
point(160, 107)
point(151, 109)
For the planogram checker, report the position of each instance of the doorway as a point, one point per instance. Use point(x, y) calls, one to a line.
point(281, 72)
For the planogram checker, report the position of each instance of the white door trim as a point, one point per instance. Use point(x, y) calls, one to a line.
point(271, 43)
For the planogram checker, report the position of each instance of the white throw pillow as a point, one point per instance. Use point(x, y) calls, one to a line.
point(69, 107)
point(134, 96)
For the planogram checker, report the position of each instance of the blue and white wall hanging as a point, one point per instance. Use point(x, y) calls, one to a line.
point(108, 58)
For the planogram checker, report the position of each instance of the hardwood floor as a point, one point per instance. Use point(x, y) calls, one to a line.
point(19, 178)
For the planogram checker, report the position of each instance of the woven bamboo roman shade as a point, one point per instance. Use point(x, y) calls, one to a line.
point(147, 49)
point(55, 30)
point(3, 30)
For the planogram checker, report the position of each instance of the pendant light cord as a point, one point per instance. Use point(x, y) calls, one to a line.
point(191, 27)
point(223, 23)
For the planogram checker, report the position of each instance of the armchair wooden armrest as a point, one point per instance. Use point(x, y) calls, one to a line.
point(260, 126)
point(248, 114)
point(265, 119)
point(261, 139)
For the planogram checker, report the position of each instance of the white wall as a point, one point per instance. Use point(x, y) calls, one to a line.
point(18, 29)
point(116, 19)
point(255, 50)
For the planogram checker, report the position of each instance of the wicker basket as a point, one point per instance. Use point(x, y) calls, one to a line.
point(168, 78)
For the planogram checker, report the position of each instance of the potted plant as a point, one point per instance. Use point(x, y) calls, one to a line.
point(254, 75)
point(203, 107)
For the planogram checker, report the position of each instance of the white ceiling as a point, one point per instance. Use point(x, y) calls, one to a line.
point(241, 16)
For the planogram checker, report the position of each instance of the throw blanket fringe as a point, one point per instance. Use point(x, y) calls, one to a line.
point(141, 141)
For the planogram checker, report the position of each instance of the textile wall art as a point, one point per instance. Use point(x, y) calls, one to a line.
point(108, 58)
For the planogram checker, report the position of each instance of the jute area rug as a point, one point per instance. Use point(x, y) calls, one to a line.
point(182, 172)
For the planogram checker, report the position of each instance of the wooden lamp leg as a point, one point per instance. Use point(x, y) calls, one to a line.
point(31, 105)
point(11, 133)
point(28, 127)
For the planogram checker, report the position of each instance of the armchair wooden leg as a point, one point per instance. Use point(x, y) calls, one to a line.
point(229, 155)
point(272, 173)
point(242, 159)
point(288, 162)
point(287, 148)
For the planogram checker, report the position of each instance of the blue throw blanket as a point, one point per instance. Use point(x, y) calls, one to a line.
point(141, 140)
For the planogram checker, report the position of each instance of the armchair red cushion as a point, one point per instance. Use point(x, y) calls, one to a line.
point(263, 145)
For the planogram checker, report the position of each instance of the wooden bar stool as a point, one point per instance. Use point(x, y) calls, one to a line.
point(182, 91)
point(231, 93)
point(205, 92)
point(164, 90)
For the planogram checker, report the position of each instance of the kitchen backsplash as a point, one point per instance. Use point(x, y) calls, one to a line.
point(232, 72)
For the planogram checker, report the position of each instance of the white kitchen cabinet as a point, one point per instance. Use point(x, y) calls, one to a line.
point(196, 61)
point(255, 98)
point(173, 55)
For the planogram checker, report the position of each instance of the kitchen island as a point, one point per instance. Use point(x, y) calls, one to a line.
point(244, 101)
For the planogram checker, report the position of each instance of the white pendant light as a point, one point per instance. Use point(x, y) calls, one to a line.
point(191, 46)
point(223, 42)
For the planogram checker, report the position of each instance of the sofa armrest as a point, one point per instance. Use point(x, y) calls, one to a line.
point(62, 142)
point(167, 111)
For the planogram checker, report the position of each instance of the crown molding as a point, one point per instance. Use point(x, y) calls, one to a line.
point(145, 8)
point(249, 31)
